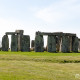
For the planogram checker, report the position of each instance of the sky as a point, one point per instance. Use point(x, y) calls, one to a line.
point(40, 15)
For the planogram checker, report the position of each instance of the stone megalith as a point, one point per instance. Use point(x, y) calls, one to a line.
point(5, 43)
point(58, 43)
point(51, 44)
point(65, 44)
point(32, 43)
point(25, 43)
point(39, 43)
point(75, 44)
point(14, 42)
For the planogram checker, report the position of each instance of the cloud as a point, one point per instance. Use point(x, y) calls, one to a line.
point(61, 11)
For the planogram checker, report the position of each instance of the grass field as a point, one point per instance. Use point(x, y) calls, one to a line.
point(39, 66)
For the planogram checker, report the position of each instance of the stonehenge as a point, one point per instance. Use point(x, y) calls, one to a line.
point(56, 42)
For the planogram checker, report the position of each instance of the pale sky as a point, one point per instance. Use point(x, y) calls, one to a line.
point(40, 15)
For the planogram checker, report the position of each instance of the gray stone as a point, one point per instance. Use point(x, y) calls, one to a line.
point(58, 43)
point(39, 43)
point(75, 44)
point(51, 44)
point(14, 43)
point(25, 43)
point(65, 44)
point(32, 43)
point(5, 43)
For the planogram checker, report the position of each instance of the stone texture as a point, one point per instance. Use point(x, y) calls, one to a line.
point(32, 43)
point(75, 44)
point(39, 43)
point(25, 43)
point(19, 41)
point(79, 44)
point(65, 44)
point(70, 39)
point(5, 43)
point(14, 43)
point(58, 43)
point(51, 43)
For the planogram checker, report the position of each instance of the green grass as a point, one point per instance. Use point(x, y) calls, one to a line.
point(39, 66)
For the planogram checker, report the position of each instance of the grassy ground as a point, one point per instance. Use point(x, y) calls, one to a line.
point(39, 66)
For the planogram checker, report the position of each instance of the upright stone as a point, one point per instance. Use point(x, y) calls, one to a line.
point(79, 44)
point(58, 43)
point(51, 44)
point(25, 44)
point(39, 43)
point(5, 43)
point(75, 44)
point(65, 44)
point(32, 43)
point(20, 34)
point(70, 39)
point(14, 43)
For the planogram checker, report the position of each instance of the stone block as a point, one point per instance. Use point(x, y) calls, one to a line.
point(75, 44)
point(5, 43)
point(65, 44)
point(14, 43)
point(25, 43)
point(32, 43)
point(39, 43)
point(51, 44)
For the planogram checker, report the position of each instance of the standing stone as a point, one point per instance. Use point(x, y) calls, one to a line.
point(5, 43)
point(70, 39)
point(32, 43)
point(20, 34)
point(51, 43)
point(25, 44)
point(75, 44)
point(65, 44)
point(39, 43)
point(79, 44)
point(58, 43)
point(14, 43)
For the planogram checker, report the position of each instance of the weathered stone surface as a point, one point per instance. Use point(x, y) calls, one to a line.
point(14, 43)
point(79, 44)
point(58, 43)
point(19, 41)
point(32, 43)
point(5, 43)
point(25, 43)
point(70, 39)
point(75, 44)
point(51, 43)
point(65, 44)
point(39, 43)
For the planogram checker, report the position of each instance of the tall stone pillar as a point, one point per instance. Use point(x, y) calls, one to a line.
point(25, 43)
point(5, 43)
point(75, 44)
point(14, 42)
point(32, 43)
point(39, 43)
point(70, 39)
point(65, 44)
point(51, 43)
point(58, 43)
point(19, 34)
point(79, 44)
